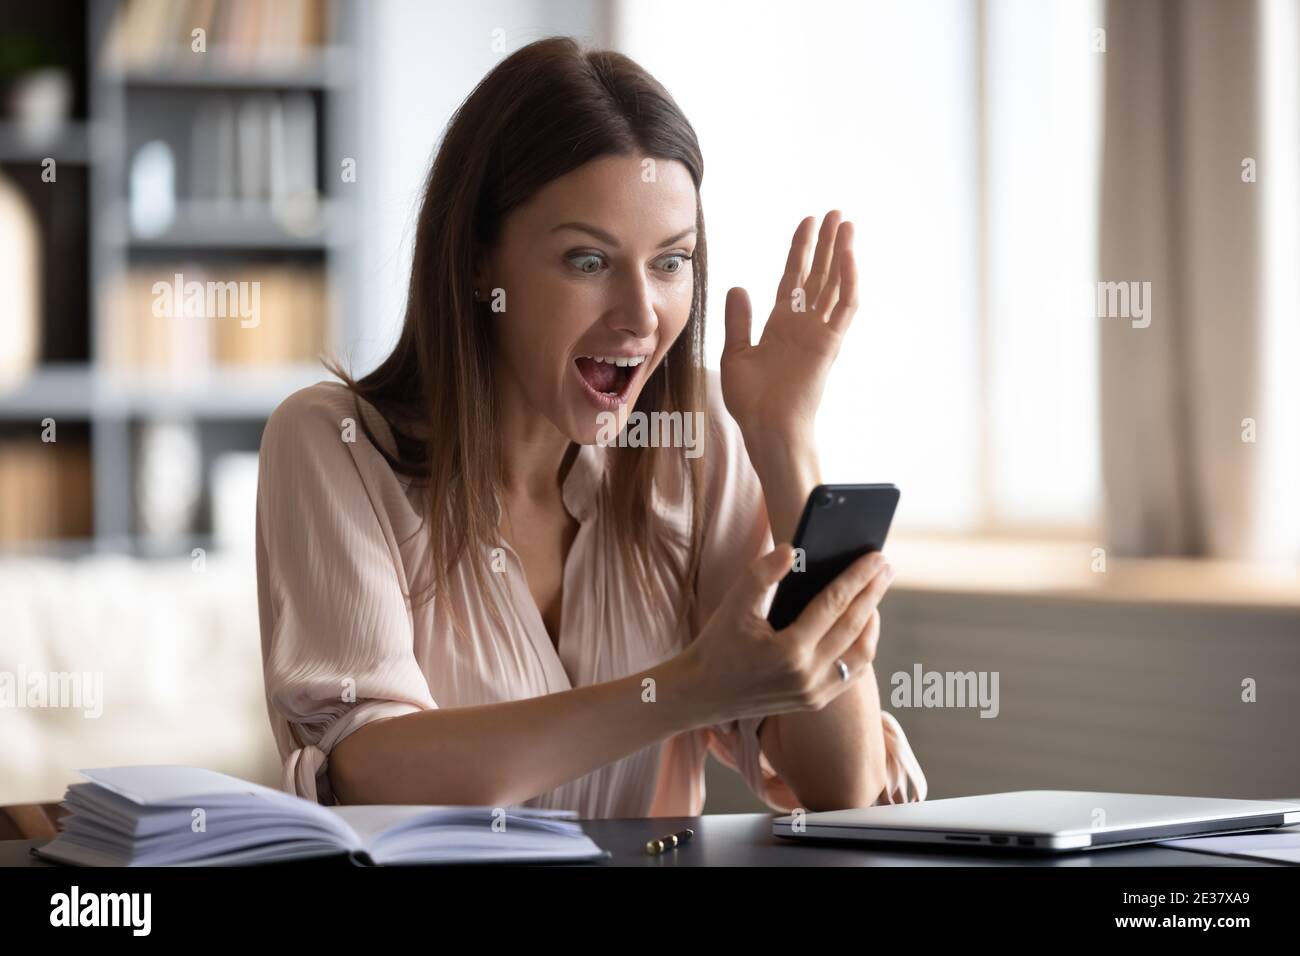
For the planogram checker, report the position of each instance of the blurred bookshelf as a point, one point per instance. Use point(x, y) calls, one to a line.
point(193, 170)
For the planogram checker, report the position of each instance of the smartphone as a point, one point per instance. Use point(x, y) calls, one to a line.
point(840, 523)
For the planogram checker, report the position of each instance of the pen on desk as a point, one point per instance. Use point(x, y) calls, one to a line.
point(672, 841)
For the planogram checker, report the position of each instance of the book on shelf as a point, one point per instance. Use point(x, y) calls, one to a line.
point(188, 816)
point(186, 318)
point(45, 490)
point(153, 34)
point(253, 162)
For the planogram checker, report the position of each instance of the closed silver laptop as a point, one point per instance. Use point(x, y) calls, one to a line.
point(1040, 820)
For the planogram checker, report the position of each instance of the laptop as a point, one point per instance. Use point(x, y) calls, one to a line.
point(1040, 820)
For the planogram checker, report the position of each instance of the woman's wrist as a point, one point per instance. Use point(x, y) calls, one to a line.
point(680, 682)
point(788, 468)
point(782, 452)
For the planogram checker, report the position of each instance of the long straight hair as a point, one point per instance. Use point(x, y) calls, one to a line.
point(544, 111)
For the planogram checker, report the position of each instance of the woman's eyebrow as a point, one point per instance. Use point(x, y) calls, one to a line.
point(603, 236)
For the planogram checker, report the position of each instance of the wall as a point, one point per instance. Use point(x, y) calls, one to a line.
point(1102, 696)
point(421, 60)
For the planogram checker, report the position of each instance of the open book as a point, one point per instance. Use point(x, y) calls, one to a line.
point(187, 816)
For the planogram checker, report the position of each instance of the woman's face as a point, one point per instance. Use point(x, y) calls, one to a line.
point(596, 266)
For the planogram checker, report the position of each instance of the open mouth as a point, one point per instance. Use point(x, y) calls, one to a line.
point(608, 380)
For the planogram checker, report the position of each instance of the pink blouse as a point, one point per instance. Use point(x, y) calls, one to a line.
point(339, 536)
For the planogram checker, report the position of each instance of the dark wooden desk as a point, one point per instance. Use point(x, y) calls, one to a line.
point(745, 839)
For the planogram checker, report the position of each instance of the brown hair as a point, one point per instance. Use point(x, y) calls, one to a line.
point(545, 110)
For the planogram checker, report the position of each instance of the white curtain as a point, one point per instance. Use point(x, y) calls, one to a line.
point(1188, 403)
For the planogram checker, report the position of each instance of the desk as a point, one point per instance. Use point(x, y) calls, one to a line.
point(745, 839)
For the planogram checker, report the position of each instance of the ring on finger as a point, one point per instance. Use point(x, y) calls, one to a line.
point(843, 668)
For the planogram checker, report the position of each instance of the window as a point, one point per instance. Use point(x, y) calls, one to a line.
point(962, 140)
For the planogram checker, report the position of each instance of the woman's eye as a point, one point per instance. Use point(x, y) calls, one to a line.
point(586, 262)
point(678, 261)
point(590, 263)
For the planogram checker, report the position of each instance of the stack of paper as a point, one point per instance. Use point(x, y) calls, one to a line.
point(186, 816)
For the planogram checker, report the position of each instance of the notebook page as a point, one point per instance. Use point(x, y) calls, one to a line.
point(372, 821)
point(166, 785)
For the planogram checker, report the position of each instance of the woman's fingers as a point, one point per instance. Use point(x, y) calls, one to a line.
point(858, 654)
point(738, 321)
point(846, 630)
point(870, 639)
point(796, 263)
point(832, 275)
point(821, 264)
point(825, 609)
point(857, 657)
point(847, 305)
point(862, 653)
point(864, 648)
point(830, 292)
point(762, 574)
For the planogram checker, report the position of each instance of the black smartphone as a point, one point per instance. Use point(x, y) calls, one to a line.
point(840, 523)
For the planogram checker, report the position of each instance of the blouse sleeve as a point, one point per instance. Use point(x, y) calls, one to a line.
point(337, 633)
point(737, 531)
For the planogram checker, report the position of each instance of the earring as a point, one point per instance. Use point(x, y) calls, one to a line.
point(476, 295)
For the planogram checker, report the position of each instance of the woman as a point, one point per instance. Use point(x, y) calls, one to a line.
point(465, 598)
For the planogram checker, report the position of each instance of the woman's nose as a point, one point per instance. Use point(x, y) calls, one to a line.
point(635, 313)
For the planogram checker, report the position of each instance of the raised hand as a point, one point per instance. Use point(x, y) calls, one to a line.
point(774, 388)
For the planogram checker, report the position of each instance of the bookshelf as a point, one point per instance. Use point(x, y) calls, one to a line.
point(108, 372)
